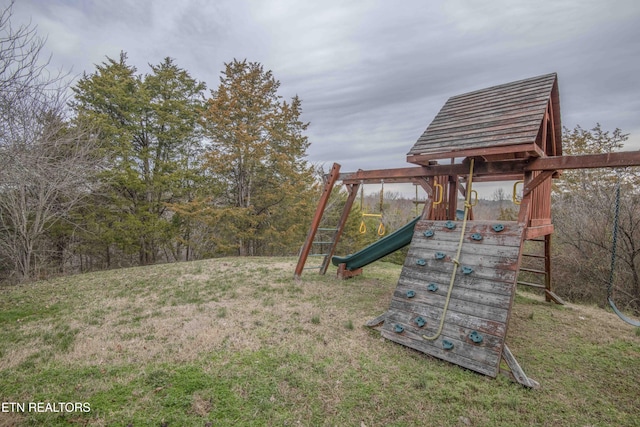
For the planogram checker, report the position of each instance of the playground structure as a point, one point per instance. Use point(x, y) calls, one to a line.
point(454, 296)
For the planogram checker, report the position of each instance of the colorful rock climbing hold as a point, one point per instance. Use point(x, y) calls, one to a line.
point(411, 294)
point(475, 337)
point(497, 227)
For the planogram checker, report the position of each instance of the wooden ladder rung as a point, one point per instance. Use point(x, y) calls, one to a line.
point(533, 270)
point(533, 256)
point(533, 285)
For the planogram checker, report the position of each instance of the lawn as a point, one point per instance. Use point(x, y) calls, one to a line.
point(238, 341)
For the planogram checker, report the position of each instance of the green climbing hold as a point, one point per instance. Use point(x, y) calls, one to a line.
point(497, 227)
point(475, 337)
point(447, 345)
point(440, 255)
point(432, 287)
point(399, 329)
point(467, 270)
point(411, 294)
point(420, 321)
point(421, 262)
point(428, 233)
point(450, 225)
point(476, 236)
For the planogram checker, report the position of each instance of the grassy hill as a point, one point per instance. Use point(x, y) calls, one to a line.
point(239, 342)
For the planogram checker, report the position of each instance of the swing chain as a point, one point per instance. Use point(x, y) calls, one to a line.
point(616, 215)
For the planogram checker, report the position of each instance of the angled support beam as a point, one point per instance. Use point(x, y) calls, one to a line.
point(317, 217)
point(542, 177)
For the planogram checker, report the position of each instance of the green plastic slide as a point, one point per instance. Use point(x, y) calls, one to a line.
point(389, 244)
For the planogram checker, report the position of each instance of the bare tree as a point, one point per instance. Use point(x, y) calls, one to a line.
point(46, 163)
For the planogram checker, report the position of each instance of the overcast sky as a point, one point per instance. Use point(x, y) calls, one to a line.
point(371, 74)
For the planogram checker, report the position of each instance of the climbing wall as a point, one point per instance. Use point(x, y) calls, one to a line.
point(475, 323)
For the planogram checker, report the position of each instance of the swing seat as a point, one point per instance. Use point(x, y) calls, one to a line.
point(621, 314)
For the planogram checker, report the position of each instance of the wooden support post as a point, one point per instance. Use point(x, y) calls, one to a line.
point(343, 273)
point(547, 267)
point(452, 204)
point(549, 295)
point(317, 217)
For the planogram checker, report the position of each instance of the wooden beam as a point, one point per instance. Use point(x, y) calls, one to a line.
point(542, 177)
point(586, 161)
point(531, 149)
point(498, 170)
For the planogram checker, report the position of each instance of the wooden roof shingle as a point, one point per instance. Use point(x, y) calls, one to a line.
point(499, 122)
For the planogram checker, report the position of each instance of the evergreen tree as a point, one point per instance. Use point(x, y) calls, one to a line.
point(256, 159)
point(148, 127)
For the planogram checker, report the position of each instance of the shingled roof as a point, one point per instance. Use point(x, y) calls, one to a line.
point(514, 120)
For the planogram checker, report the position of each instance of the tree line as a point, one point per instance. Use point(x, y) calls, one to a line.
point(128, 168)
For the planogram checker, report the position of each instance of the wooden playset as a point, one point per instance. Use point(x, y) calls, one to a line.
point(456, 290)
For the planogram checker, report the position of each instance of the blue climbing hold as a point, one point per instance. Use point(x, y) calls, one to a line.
point(497, 227)
point(476, 236)
point(420, 321)
point(432, 287)
point(421, 262)
point(399, 329)
point(447, 345)
point(428, 233)
point(440, 255)
point(411, 294)
point(467, 270)
point(475, 337)
point(450, 225)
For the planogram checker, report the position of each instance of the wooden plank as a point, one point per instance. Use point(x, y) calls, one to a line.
point(533, 232)
point(483, 358)
point(480, 141)
point(530, 149)
point(509, 236)
point(516, 370)
point(465, 295)
point(377, 320)
point(410, 279)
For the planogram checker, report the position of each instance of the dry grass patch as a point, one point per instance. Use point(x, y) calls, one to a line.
point(240, 342)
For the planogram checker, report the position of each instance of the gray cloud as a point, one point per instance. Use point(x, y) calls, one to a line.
point(371, 74)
